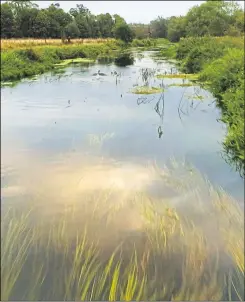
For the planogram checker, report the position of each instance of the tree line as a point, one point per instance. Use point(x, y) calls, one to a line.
point(24, 19)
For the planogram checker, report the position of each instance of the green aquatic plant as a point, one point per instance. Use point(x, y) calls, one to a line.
point(146, 90)
point(124, 59)
point(181, 85)
point(178, 76)
point(73, 61)
point(76, 255)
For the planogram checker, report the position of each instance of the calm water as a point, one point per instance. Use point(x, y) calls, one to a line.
point(57, 115)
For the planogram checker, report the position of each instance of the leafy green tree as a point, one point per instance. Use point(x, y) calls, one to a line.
point(25, 21)
point(106, 23)
point(176, 28)
point(210, 18)
point(159, 28)
point(72, 30)
point(141, 31)
point(42, 24)
point(79, 10)
point(83, 26)
point(7, 21)
point(124, 33)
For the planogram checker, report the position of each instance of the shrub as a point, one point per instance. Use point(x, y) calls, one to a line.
point(124, 59)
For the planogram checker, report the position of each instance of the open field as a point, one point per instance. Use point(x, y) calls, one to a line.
point(26, 43)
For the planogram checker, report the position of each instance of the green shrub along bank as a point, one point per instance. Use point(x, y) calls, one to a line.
point(219, 61)
point(20, 63)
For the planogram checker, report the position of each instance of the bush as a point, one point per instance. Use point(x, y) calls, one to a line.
point(124, 59)
point(124, 33)
point(224, 73)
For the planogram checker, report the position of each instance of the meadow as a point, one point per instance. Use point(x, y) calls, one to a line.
point(26, 43)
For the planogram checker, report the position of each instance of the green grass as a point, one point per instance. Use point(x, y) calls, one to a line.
point(173, 260)
point(146, 90)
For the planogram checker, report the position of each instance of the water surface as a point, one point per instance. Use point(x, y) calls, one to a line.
point(98, 115)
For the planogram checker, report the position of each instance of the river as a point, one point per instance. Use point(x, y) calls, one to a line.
point(57, 115)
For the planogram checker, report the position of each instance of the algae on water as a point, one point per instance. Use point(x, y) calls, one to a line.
point(77, 60)
point(146, 90)
point(187, 76)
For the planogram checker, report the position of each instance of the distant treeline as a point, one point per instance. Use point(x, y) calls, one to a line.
point(24, 19)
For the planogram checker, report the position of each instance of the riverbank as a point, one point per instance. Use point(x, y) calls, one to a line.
point(219, 63)
point(19, 63)
point(29, 59)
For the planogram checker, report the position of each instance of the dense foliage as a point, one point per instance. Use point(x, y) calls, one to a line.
point(21, 19)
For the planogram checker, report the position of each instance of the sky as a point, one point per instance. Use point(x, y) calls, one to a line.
point(131, 11)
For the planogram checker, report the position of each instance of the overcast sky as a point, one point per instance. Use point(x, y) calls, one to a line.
point(131, 11)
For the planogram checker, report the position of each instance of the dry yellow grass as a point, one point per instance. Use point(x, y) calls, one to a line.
point(23, 43)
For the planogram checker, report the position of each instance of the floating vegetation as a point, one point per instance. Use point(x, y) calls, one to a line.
point(189, 76)
point(9, 84)
point(78, 60)
point(146, 90)
point(181, 85)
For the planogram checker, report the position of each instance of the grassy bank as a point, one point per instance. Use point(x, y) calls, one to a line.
point(19, 63)
point(108, 245)
point(219, 61)
point(24, 58)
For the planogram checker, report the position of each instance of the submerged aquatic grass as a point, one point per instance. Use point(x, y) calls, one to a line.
point(172, 255)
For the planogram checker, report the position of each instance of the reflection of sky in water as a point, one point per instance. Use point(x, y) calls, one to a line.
point(39, 115)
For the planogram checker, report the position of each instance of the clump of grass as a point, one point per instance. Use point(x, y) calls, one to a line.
point(146, 90)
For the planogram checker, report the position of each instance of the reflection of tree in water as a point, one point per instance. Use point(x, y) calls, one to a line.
point(159, 108)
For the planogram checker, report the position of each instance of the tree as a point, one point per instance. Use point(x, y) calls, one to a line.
point(211, 18)
point(42, 24)
point(141, 31)
point(7, 21)
point(159, 28)
point(79, 10)
point(176, 28)
point(25, 21)
point(124, 33)
point(72, 30)
point(106, 24)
